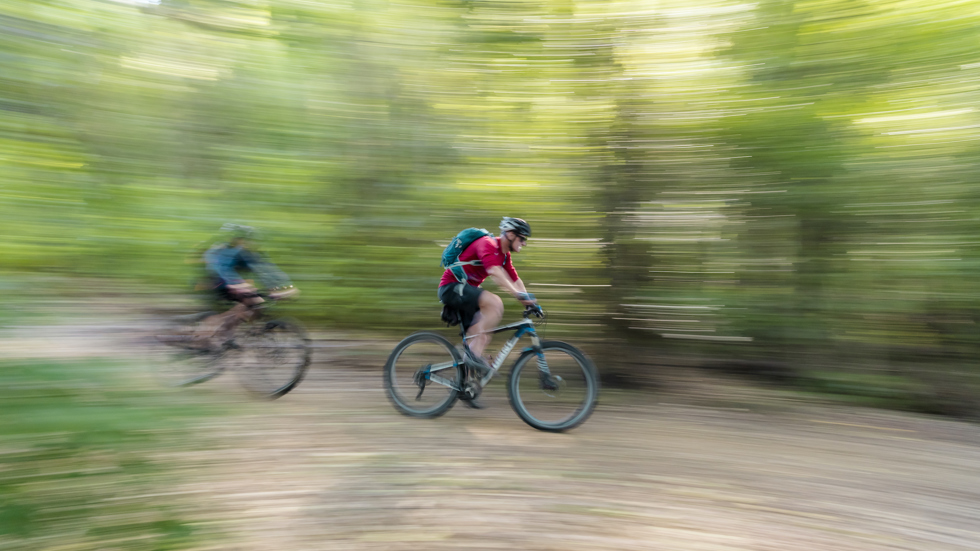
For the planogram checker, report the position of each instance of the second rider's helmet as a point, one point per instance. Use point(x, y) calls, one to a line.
point(238, 231)
point(516, 225)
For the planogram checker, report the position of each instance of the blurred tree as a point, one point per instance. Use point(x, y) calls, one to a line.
point(782, 179)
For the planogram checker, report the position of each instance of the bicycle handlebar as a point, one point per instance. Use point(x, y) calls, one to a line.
point(282, 294)
point(275, 296)
point(534, 310)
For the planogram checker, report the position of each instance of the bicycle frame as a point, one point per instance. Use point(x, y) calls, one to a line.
point(523, 327)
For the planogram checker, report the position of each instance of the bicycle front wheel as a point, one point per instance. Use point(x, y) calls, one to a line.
point(561, 398)
point(423, 375)
point(274, 356)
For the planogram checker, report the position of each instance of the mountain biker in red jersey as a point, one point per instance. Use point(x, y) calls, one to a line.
point(481, 310)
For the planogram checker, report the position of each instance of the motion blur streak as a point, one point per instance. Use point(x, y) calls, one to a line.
point(803, 170)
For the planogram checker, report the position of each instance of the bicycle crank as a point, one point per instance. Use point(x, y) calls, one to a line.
point(470, 391)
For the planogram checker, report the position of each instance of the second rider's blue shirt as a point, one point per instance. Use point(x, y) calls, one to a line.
point(223, 262)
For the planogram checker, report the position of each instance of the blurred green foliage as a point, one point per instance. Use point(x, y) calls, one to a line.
point(784, 180)
point(84, 459)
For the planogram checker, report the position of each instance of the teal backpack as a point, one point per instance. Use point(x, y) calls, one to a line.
point(450, 256)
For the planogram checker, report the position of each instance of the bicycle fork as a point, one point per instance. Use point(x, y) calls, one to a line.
point(548, 383)
point(542, 363)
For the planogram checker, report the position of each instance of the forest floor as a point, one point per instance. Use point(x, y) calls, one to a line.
point(701, 463)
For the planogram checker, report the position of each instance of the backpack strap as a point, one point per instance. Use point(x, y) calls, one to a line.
point(457, 269)
point(467, 263)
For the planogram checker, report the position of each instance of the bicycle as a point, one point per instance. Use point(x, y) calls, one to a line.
point(271, 356)
point(557, 396)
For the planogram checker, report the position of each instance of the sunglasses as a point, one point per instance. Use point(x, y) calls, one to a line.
point(523, 238)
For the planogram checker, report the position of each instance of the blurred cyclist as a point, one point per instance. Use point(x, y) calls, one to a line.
point(222, 262)
point(480, 310)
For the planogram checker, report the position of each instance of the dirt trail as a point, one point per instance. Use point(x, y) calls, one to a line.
point(698, 466)
point(334, 467)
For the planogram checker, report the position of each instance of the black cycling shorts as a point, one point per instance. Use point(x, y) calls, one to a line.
point(464, 298)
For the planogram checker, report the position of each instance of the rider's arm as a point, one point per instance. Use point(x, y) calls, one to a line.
point(520, 285)
point(500, 277)
point(268, 273)
point(518, 282)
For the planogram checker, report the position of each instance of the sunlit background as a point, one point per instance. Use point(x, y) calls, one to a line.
point(780, 188)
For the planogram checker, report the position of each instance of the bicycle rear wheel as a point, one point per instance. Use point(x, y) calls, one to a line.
point(182, 360)
point(562, 402)
point(273, 357)
point(190, 367)
point(423, 374)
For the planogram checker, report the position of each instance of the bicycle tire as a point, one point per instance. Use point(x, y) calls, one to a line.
point(579, 370)
point(279, 344)
point(414, 363)
point(184, 365)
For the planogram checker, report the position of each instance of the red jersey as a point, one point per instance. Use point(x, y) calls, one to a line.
point(487, 250)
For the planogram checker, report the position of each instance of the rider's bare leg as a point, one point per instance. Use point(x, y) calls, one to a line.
point(489, 316)
point(221, 325)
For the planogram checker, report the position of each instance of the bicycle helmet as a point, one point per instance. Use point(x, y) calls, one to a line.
point(238, 231)
point(516, 225)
